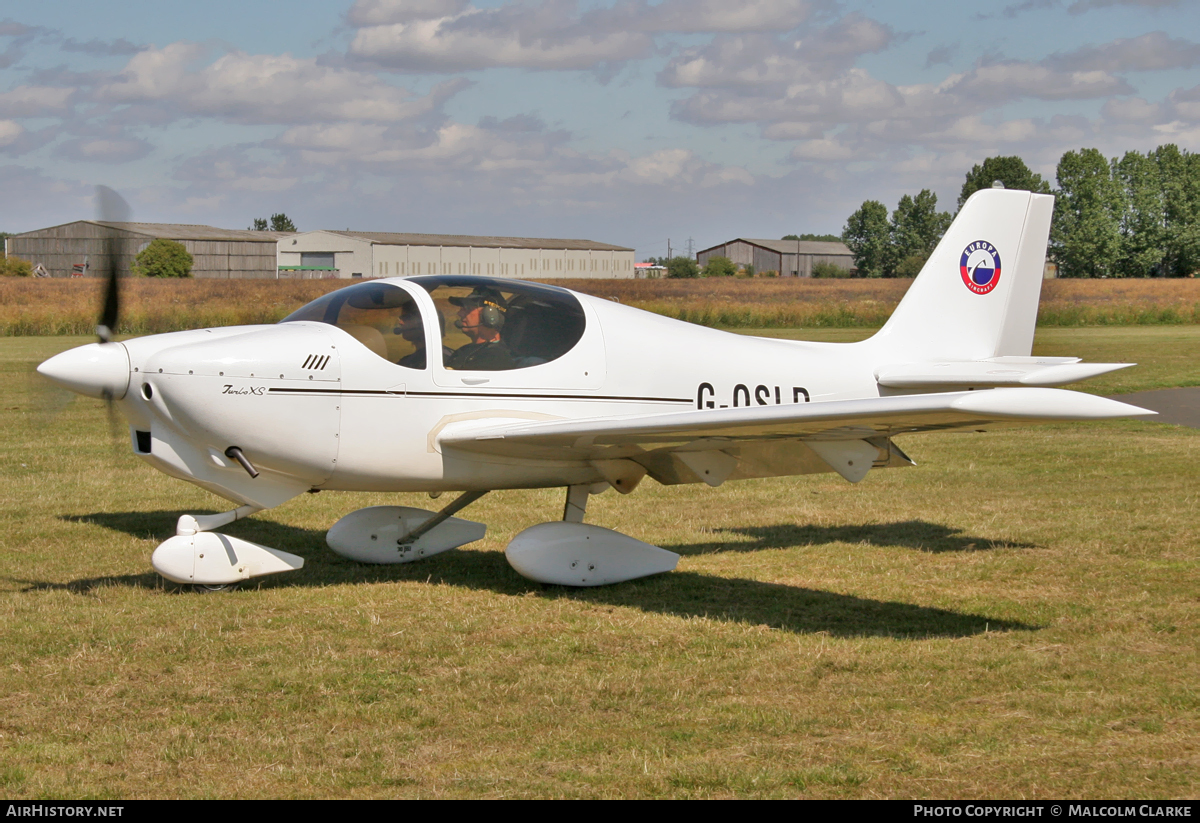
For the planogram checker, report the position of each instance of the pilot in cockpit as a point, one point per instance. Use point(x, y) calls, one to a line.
point(481, 316)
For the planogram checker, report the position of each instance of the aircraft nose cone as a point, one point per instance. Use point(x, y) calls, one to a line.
point(95, 370)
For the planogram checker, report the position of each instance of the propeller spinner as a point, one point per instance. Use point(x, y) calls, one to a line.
point(101, 369)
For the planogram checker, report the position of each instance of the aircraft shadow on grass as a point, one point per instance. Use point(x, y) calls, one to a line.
point(932, 538)
point(679, 593)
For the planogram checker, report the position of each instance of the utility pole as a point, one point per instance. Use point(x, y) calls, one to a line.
point(668, 248)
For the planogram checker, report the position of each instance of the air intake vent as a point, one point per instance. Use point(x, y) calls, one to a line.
point(316, 362)
point(143, 441)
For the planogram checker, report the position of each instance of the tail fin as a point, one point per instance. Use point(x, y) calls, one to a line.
point(977, 296)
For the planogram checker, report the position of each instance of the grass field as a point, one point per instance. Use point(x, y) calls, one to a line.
point(68, 306)
point(1016, 617)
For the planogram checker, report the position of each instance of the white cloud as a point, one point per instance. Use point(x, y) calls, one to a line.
point(448, 36)
point(724, 175)
point(1131, 110)
point(102, 48)
point(35, 101)
point(10, 132)
point(382, 12)
point(16, 140)
point(1155, 51)
point(1011, 80)
point(1185, 104)
point(973, 129)
point(793, 131)
point(104, 149)
point(851, 96)
point(723, 16)
point(728, 62)
point(759, 60)
point(844, 41)
point(1081, 6)
point(256, 88)
point(821, 150)
point(234, 169)
point(547, 36)
point(520, 152)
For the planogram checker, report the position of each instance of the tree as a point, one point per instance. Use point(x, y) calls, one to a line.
point(281, 222)
point(824, 269)
point(1179, 172)
point(1142, 220)
point(915, 230)
point(682, 267)
point(825, 238)
point(1085, 238)
point(867, 235)
point(163, 258)
point(1011, 171)
point(718, 266)
point(15, 267)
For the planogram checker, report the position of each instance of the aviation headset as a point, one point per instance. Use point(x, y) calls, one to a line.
point(491, 315)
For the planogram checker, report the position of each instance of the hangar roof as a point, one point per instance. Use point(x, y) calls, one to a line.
point(791, 246)
point(171, 231)
point(186, 231)
point(385, 238)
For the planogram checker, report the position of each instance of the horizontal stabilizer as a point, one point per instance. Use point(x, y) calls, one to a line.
point(994, 372)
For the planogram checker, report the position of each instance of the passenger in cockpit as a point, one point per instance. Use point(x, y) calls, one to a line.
point(481, 316)
point(410, 327)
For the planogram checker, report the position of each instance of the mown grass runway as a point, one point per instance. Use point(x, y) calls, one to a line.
point(1015, 617)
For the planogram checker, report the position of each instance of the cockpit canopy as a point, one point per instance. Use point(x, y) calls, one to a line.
point(485, 324)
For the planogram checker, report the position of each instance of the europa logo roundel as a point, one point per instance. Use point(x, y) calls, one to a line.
point(980, 266)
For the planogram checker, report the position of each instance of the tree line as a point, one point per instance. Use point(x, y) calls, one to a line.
point(1134, 216)
point(279, 222)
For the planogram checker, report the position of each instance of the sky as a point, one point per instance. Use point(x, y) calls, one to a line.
point(635, 122)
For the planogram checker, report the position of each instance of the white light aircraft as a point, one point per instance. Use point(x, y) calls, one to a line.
point(469, 384)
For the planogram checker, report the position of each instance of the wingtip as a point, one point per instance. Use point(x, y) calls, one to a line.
point(1047, 404)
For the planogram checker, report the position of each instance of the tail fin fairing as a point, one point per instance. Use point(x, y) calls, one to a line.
point(977, 295)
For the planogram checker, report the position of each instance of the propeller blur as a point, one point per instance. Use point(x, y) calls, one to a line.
point(468, 384)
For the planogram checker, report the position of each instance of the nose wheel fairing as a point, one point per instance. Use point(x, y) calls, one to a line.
point(212, 559)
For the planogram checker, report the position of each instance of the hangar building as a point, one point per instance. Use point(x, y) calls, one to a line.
point(386, 254)
point(791, 258)
point(216, 253)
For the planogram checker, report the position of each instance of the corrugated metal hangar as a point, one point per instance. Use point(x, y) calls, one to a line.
point(790, 258)
point(387, 254)
point(216, 253)
point(226, 253)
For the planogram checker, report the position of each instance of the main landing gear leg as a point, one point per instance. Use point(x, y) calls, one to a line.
point(573, 553)
point(576, 506)
point(209, 561)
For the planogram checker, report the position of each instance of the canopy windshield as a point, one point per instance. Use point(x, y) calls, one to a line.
point(485, 324)
point(383, 317)
point(490, 324)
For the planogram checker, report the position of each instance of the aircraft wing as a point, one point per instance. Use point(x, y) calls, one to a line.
point(842, 433)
